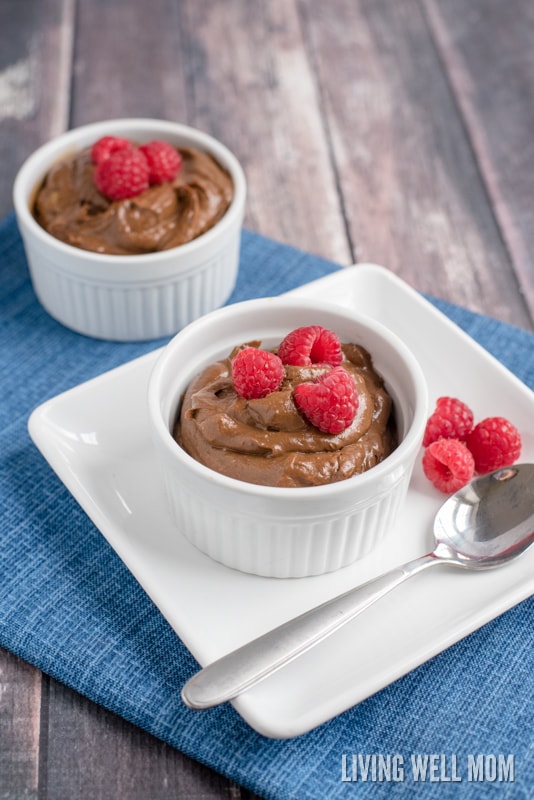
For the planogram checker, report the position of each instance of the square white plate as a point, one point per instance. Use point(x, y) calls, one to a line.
point(95, 437)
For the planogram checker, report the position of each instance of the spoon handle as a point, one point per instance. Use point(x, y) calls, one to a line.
point(243, 668)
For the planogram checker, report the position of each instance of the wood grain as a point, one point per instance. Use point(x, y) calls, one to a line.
point(20, 708)
point(115, 759)
point(35, 67)
point(412, 192)
point(267, 108)
point(487, 50)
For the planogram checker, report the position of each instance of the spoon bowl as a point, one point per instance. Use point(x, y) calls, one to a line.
point(490, 520)
point(486, 524)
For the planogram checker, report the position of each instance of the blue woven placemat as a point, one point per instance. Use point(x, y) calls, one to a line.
point(69, 606)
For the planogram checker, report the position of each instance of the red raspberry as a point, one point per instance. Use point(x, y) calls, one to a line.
point(330, 402)
point(311, 345)
point(164, 161)
point(494, 443)
point(451, 419)
point(124, 174)
point(256, 373)
point(107, 145)
point(448, 464)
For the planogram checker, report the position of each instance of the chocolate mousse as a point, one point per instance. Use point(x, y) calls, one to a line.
point(269, 441)
point(70, 207)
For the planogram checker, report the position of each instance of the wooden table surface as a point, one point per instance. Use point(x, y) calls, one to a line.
point(393, 131)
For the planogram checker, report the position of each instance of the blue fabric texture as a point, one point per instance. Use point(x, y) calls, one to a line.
point(69, 606)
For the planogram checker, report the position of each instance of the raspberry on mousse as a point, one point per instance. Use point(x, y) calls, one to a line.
point(309, 345)
point(330, 402)
point(256, 373)
point(123, 171)
point(107, 145)
point(123, 174)
point(164, 161)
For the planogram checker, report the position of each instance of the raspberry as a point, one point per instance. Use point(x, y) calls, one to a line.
point(164, 161)
point(451, 419)
point(448, 464)
point(330, 402)
point(124, 174)
point(311, 345)
point(256, 373)
point(494, 443)
point(107, 145)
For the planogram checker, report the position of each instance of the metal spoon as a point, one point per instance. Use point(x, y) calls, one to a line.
point(486, 524)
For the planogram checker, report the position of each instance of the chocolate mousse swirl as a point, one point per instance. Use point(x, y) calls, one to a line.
point(268, 441)
point(69, 206)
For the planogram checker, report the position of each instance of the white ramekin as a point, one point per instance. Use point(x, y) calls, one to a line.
point(273, 531)
point(138, 297)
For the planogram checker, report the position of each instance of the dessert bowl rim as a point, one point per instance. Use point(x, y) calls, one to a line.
point(25, 188)
point(411, 440)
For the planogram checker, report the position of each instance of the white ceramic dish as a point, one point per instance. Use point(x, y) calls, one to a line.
point(106, 461)
point(271, 530)
point(130, 297)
